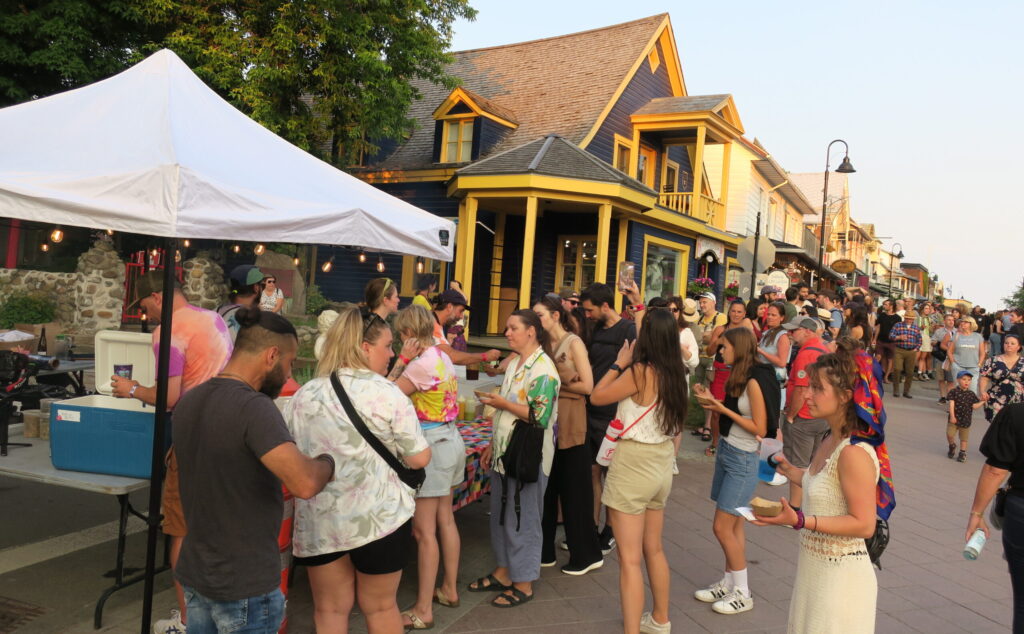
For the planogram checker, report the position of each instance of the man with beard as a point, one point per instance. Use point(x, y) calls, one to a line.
point(234, 452)
point(610, 332)
point(449, 309)
point(245, 284)
point(200, 347)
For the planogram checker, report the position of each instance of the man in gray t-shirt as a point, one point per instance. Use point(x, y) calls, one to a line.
point(234, 452)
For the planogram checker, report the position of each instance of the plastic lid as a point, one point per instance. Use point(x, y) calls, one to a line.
point(114, 347)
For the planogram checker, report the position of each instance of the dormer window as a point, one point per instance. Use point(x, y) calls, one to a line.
point(458, 140)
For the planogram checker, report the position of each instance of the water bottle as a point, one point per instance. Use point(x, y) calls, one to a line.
point(974, 545)
point(611, 438)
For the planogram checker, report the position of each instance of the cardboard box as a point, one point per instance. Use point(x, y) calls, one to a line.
point(28, 344)
point(53, 329)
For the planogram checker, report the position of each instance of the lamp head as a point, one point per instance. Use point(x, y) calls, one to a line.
point(900, 254)
point(845, 167)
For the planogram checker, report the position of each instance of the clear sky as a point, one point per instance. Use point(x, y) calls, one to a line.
point(924, 93)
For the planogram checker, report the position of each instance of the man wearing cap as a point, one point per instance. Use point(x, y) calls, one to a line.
point(801, 434)
point(709, 319)
point(906, 337)
point(200, 348)
point(448, 309)
point(827, 300)
point(570, 302)
point(245, 283)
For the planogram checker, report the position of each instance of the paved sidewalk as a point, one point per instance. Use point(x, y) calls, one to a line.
point(926, 585)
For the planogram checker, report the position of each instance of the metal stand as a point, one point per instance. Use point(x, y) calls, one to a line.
point(119, 571)
point(6, 408)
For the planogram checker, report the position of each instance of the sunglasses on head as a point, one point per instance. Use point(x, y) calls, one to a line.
point(369, 320)
point(270, 281)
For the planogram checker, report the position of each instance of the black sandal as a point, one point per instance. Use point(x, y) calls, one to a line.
point(493, 585)
point(517, 598)
point(705, 436)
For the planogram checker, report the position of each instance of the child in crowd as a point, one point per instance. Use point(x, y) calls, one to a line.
point(962, 403)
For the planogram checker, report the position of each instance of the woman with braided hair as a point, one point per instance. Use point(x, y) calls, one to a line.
point(848, 483)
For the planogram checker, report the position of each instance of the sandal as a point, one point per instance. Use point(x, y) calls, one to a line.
point(697, 432)
point(416, 623)
point(517, 598)
point(709, 452)
point(705, 436)
point(493, 585)
point(442, 598)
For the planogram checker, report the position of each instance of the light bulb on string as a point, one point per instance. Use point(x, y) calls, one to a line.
point(110, 232)
point(326, 267)
point(56, 235)
point(380, 264)
point(419, 265)
point(187, 243)
point(295, 261)
point(44, 247)
point(237, 248)
point(259, 249)
point(362, 257)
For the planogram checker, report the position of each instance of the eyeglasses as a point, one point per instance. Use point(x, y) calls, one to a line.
point(674, 311)
point(270, 281)
point(574, 302)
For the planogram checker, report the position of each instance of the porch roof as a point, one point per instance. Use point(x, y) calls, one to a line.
point(552, 155)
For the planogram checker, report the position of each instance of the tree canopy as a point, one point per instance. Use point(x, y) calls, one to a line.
point(331, 76)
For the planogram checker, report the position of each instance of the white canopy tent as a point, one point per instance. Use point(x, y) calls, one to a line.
point(155, 151)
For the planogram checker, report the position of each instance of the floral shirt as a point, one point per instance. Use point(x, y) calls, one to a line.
point(433, 374)
point(366, 500)
point(533, 380)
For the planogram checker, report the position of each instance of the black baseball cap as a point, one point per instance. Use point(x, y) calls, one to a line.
point(146, 285)
point(454, 297)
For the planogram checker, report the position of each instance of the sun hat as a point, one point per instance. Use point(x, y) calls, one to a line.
point(690, 311)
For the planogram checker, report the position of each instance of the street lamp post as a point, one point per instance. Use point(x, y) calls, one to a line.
point(844, 168)
point(891, 257)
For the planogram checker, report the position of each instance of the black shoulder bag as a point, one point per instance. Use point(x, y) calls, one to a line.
point(521, 460)
point(413, 478)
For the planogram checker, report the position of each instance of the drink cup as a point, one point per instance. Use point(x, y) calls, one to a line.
point(123, 370)
point(974, 545)
point(769, 447)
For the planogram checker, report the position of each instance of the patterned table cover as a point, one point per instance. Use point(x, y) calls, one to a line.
point(477, 436)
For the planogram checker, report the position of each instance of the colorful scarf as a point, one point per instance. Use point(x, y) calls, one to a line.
point(868, 399)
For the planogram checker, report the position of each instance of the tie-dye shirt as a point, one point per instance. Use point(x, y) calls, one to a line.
point(200, 345)
point(433, 374)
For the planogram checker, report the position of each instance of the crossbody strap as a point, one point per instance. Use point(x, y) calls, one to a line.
point(363, 430)
point(639, 418)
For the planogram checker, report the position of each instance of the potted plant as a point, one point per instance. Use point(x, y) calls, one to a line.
point(732, 291)
point(33, 313)
point(700, 285)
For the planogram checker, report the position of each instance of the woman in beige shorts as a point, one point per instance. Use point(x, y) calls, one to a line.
point(648, 381)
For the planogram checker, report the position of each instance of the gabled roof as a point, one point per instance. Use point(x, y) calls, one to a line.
point(813, 184)
point(554, 156)
point(721, 105)
point(559, 85)
point(478, 104)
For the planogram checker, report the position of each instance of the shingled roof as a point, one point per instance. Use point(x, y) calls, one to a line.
point(670, 105)
point(558, 85)
point(554, 156)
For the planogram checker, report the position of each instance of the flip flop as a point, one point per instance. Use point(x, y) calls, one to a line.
point(517, 598)
point(416, 622)
point(442, 598)
point(493, 585)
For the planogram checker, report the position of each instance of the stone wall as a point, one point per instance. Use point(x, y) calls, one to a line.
point(204, 281)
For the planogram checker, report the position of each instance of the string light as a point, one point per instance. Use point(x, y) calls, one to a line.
point(110, 232)
point(236, 249)
point(295, 261)
point(326, 268)
point(259, 249)
point(187, 243)
point(44, 247)
point(56, 235)
point(154, 253)
point(380, 264)
point(419, 265)
point(362, 257)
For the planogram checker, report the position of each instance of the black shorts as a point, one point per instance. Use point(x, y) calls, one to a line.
point(384, 556)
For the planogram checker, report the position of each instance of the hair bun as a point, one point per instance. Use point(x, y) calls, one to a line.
point(248, 316)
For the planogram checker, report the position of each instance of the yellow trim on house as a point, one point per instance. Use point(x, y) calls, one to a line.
point(463, 122)
point(621, 141)
point(621, 254)
point(497, 262)
point(406, 176)
point(556, 185)
point(407, 285)
point(730, 264)
point(529, 237)
point(670, 52)
point(653, 59)
point(675, 76)
point(459, 96)
point(650, 156)
point(675, 222)
point(684, 271)
point(560, 281)
point(604, 231)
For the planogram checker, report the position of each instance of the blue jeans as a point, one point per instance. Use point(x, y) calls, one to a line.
point(256, 615)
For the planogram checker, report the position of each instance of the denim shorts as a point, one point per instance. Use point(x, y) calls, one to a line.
point(735, 477)
point(256, 615)
point(447, 466)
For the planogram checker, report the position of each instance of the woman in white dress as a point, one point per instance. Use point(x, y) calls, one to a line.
point(836, 589)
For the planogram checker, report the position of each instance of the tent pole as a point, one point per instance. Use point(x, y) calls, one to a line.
point(161, 416)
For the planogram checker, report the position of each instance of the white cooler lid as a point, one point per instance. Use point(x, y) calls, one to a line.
point(116, 347)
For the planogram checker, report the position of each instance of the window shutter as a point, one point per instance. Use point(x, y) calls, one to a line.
point(438, 140)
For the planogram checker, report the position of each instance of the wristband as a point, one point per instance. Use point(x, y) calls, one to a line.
point(404, 360)
point(325, 457)
point(131, 392)
point(800, 520)
point(615, 366)
point(639, 307)
point(483, 357)
point(977, 513)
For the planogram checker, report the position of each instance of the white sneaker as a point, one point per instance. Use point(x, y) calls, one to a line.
point(675, 468)
point(649, 626)
point(563, 545)
point(712, 593)
point(734, 603)
point(172, 625)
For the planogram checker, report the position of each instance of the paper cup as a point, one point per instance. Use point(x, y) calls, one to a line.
point(123, 370)
point(769, 447)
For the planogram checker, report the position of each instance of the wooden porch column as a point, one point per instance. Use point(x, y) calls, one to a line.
point(465, 243)
point(726, 157)
point(623, 235)
point(604, 230)
point(496, 263)
point(634, 155)
point(698, 170)
point(529, 235)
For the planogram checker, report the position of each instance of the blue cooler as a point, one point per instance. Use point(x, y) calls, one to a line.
point(103, 434)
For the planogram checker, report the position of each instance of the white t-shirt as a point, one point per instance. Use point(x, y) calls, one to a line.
point(269, 302)
point(689, 342)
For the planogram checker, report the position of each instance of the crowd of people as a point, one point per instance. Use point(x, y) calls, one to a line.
point(586, 423)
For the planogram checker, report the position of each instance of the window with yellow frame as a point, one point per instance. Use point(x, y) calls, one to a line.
point(622, 153)
point(665, 267)
point(576, 262)
point(458, 140)
point(647, 165)
point(410, 273)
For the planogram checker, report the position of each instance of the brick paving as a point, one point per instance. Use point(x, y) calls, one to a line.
point(926, 585)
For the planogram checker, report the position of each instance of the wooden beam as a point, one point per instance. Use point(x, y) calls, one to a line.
point(494, 306)
point(698, 164)
point(604, 230)
point(529, 235)
point(724, 194)
point(469, 244)
point(623, 235)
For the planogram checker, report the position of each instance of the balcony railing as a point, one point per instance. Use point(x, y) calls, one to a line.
point(701, 207)
point(810, 243)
